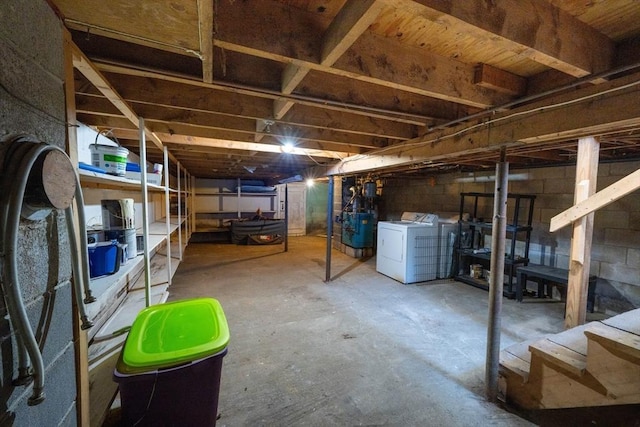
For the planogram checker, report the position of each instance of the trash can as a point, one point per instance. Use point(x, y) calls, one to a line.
point(169, 369)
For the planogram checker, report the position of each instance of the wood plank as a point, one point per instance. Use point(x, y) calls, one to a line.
point(205, 29)
point(352, 20)
point(559, 356)
point(615, 339)
point(143, 20)
point(80, 337)
point(580, 262)
point(345, 108)
point(500, 80)
point(88, 69)
point(103, 388)
point(573, 339)
point(614, 358)
point(373, 59)
point(629, 321)
point(532, 28)
point(602, 198)
point(591, 110)
point(204, 125)
point(302, 116)
point(269, 148)
point(514, 365)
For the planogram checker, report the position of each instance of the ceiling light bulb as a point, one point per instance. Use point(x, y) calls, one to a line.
point(287, 147)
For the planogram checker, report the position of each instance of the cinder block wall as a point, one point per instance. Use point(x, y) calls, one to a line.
point(32, 101)
point(615, 256)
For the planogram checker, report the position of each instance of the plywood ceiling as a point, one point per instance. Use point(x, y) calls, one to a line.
point(224, 84)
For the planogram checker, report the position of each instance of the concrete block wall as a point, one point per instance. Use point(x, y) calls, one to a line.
point(615, 256)
point(32, 101)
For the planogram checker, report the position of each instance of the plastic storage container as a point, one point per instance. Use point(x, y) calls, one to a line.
point(104, 258)
point(170, 366)
point(112, 159)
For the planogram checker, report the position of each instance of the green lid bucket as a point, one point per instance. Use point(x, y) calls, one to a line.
point(174, 333)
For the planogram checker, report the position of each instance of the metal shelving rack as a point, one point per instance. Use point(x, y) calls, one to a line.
point(478, 229)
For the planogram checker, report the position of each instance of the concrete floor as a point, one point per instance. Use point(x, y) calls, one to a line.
point(360, 350)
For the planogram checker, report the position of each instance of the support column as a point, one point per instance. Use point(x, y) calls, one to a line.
point(580, 262)
point(145, 212)
point(327, 277)
point(496, 284)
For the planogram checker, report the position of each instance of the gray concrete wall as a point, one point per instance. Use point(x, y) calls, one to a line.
point(615, 257)
point(32, 101)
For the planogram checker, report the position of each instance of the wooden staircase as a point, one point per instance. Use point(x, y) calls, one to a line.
point(596, 364)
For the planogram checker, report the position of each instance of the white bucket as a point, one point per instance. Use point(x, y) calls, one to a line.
point(111, 159)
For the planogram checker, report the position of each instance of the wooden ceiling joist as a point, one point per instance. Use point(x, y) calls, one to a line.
point(373, 60)
point(86, 67)
point(205, 27)
point(531, 28)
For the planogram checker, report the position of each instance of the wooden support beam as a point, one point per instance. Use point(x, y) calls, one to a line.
point(342, 108)
point(205, 27)
point(580, 262)
point(261, 147)
point(602, 198)
point(91, 72)
point(534, 29)
point(352, 20)
point(500, 80)
point(588, 111)
point(80, 338)
point(373, 59)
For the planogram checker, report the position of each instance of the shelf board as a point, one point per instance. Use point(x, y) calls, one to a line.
point(101, 180)
point(487, 256)
point(267, 194)
point(160, 227)
point(489, 226)
point(481, 284)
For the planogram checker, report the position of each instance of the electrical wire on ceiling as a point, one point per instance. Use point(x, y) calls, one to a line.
point(487, 123)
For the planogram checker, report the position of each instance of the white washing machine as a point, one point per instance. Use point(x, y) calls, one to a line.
point(408, 249)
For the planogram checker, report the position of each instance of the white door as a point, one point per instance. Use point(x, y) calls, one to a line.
point(297, 192)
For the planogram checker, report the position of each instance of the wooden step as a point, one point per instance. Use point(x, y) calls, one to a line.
point(516, 359)
point(614, 358)
point(560, 356)
point(629, 321)
point(616, 340)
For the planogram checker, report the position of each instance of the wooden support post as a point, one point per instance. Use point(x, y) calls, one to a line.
point(327, 277)
point(80, 338)
point(580, 262)
point(496, 284)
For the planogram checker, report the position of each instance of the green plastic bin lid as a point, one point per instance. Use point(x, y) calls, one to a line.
point(173, 333)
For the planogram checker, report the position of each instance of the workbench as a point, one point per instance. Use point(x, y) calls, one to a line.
point(546, 277)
